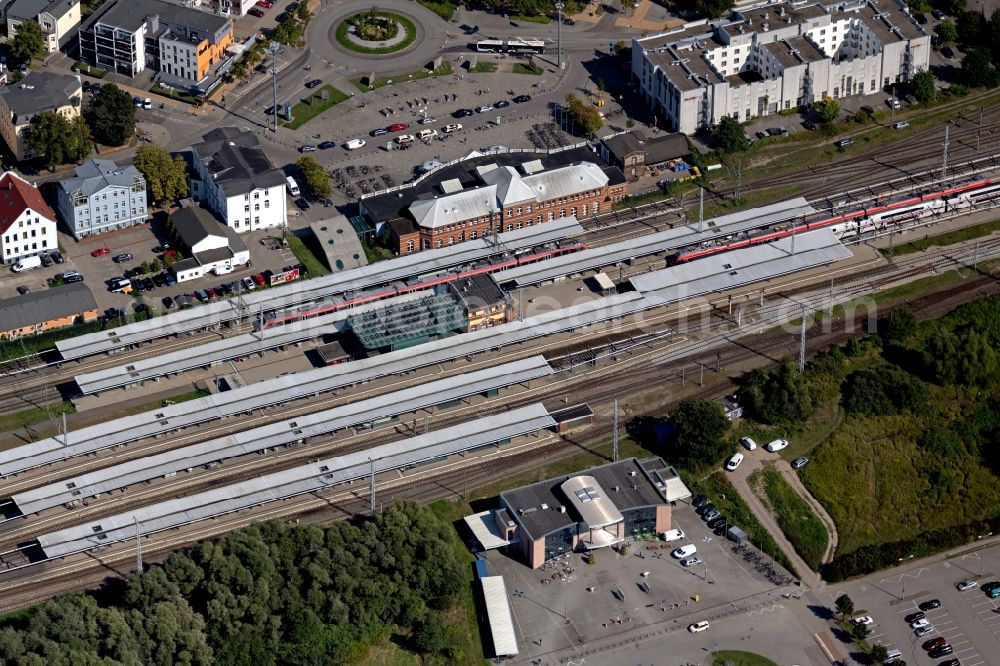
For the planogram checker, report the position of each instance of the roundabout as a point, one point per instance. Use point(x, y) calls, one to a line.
point(376, 32)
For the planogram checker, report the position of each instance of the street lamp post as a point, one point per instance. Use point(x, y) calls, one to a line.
point(902, 576)
point(273, 47)
point(559, 8)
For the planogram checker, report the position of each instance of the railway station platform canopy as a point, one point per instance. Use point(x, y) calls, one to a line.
point(284, 433)
point(206, 355)
point(738, 268)
point(277, 298)
point(501, 627)
point(316, 477)
point(713, 230)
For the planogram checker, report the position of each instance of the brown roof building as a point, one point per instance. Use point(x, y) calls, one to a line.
point(45, 310)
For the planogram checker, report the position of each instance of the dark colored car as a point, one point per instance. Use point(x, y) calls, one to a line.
point(137, 286)
point(169, 279)
point(122, 258)
point(711, 515)
point(201, 295)
point(934, 643)
point(161, 248)
point(717, 522)
point(948, 53)
point(326, 145)
point(930, 605)
point(521, 99)
point(799, 463)
point(73, 278)
point(148, 284)
point(913, 617)
point(921, 18)
point(942, 651)
point(502, 104)
point(699, 500)
point(844, 143)
point(302, 204)
point(464, 113)
point(705, 508)
point(379, 131)
point(938, 14)
point(57, 257)
point(256, 12)
point(23, 290)
point(212, 294)
point(303, 271)
point(312, 84)
point(809, 125)
point(159, 281)
point(45, 259)
point(951, 662)
point(168, 302)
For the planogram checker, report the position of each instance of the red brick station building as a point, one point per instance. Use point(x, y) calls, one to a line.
point(486, 194)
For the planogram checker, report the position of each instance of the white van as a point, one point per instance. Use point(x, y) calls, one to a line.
point(748, 443)
point(776, 445)
point(27, 264)
point(354, 144)
point(893, 655)
point(293, 187)
point(224, 269)
point(684, 551)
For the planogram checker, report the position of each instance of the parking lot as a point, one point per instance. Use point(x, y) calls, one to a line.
point(568, 603)
point(967, 620)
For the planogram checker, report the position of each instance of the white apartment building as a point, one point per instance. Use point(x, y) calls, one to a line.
point(768, 58)
point(58, 19)
point(238, 182)
point(102, 197)
point(27, 224)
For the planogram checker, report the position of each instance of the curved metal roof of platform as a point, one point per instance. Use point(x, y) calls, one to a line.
point(730, 270)
point(287, 432)
point(311, 478)
point(655, 243)
point(276, 298)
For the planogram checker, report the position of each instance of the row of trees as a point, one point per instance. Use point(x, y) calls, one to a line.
point(692, 436)
point(981, 38)
point(525, 7)
point(264, 595)
point(291, 29)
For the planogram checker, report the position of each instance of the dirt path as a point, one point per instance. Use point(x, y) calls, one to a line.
point(796, 483)
point(753, 462)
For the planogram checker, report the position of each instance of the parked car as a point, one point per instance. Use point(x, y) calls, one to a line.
point(698, 627)
point(992, 589)
point(938, 14)
point(922, 622)
point(776, 445)
point(705, 508)
point(951, 662)
point(147, 104)
point(893, 103)
point(266, 4)
point(929, 605)
point(691, 561)
point(914, 617)
point(168, 302)
point(799, 463)
point(122, 258)
point(866, 620)
point(327, 145)
point(379, 131)
point(673, 535)
point(485, 108)
point(45, 259)
point(762, 134)
point(148, 285)
point(312, 84)
point(910, 99)
point(169, 278)
point(57, 257)
point(748, 443)
point(463, 113)
point(734, 462)
point(248, 284)
point(255, 12)
point(844, 143)
point(259, 279)
point(920, 632)
point(100, 252)
point(699, 500)
point(964, 585)
point(902, 124)
point(684, 551)
point(521, 99)
point(201, 295)
point(948, 53)
point(502, 104)
point(159, 281)
point(716, 522)
point(711, 515)
point(426, 134)
point(934, 643)
point(809, 125)
point(308, 148)
point(21, 289)
point(399, 127)
point(942, 651)
point(453, 127)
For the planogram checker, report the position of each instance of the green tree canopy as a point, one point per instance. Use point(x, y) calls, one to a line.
point(112, 115)
point(923, 87)
point(711, 8)
point(59, 140)
point(586, 118)
point(730, 136)
point(828, 109)
point(899, 326)
point(28, 42)
point(882, 390)
point(977, 69)
point(947, 32)
point(697, 438)
point(317, 181)
point(879, 653)
point(779, 396)
point(963, 357)
point(844, 605)
point(166, 177)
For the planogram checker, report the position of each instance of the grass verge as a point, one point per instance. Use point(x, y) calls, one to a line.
point(377, 253)
point(483, 68)
point(725, 496)
point(642, 199)
point(408, 27)
point(739, 658)
point(803, 528)
point(544, 20)
point(157, 89)
point(521, 68)
point(948, 238)
point(443, 70)
point(29, 417)
point(443, 9)
point(87, 70)
point(193, 394)
point(306, 256)
point(312, 106)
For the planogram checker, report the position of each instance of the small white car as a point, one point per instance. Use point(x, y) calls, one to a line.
point(673, 535)
point(734, 462)
point(966, 585)
point(454, 127)
point(403, 139)
point(748, 443)
point(684, 551)
point(691, 561)
point(426, 134)
point(776, 445)
point(698, 626)
point(865, 620)
point(485, 108)
point(922, 622)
